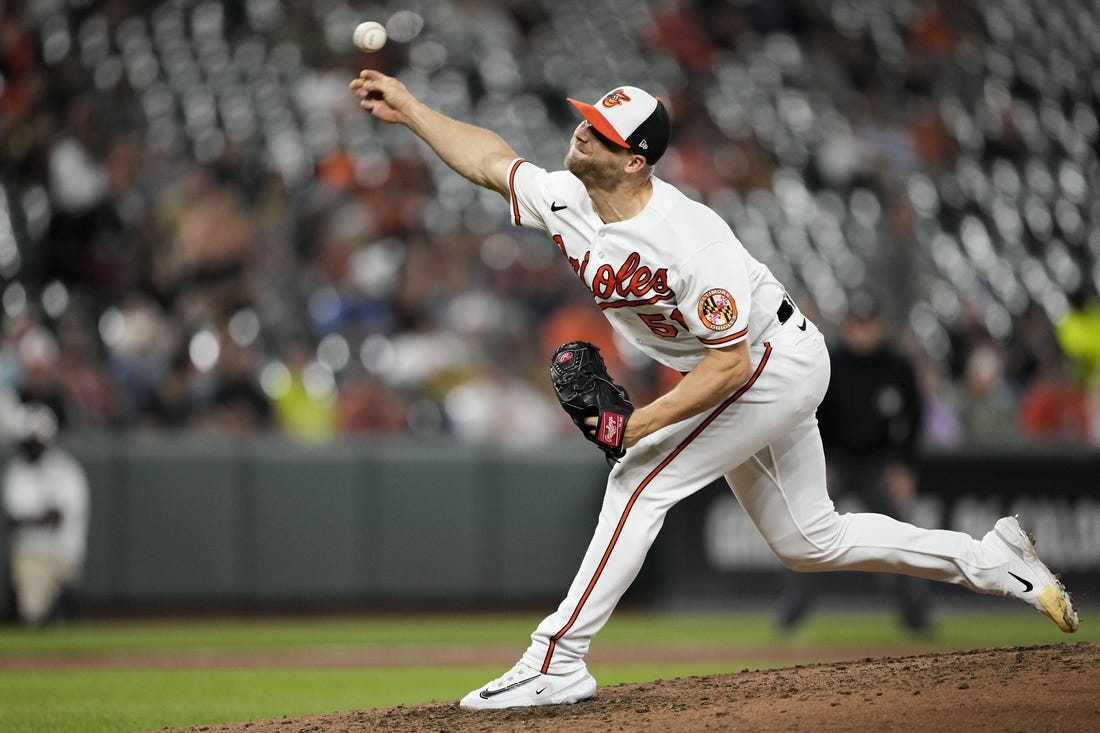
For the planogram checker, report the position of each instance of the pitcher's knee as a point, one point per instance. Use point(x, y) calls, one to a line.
point(806, 560)
point(811, 549)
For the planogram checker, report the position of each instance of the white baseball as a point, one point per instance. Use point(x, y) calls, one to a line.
point(369, 36)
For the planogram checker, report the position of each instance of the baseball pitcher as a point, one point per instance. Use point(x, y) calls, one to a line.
point(671, 277)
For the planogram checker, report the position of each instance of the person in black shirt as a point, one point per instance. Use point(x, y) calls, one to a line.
point(870, 422)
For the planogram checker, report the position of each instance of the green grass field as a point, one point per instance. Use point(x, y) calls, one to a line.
point(108, 677)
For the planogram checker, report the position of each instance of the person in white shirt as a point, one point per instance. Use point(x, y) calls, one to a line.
point(671, 276)
point(46, 507)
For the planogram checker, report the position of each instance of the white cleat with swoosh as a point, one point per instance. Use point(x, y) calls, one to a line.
point(523, 687)
point(1027, 578)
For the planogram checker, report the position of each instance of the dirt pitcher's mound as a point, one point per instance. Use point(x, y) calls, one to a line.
point(1052, 688)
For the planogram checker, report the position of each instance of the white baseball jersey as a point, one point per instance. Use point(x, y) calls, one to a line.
point(674, 279)
point(55, 481)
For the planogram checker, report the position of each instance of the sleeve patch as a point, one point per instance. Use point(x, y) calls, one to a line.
point(717, 309)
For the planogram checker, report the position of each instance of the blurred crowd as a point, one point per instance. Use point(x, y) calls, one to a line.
point(200, 230)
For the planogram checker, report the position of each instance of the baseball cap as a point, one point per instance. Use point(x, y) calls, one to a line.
point(631, 118)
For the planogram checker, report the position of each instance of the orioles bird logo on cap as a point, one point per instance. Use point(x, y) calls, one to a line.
point(614, 99)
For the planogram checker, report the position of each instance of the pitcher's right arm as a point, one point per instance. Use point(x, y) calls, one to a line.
point(475, 153)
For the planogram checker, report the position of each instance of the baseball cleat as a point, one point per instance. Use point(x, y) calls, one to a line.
point(1028, 579)
point(524, 687)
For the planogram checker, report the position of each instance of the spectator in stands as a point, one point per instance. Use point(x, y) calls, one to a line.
point(95, 399)
point(80, 248)
point(46, 507)
point(1078, 333)
point(941, 426)
point(369, 405)
point(237, 403)
point(985, 403)
point(303, 397)
point(1054, 407)
point(171, 403)
point(39, 378)
point(870, 421)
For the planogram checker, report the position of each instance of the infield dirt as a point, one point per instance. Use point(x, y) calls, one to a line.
point(1051, 688)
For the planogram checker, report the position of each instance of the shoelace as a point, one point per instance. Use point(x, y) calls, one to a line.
point(515, 673)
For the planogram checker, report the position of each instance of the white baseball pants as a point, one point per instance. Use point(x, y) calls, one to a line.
point(764, 440)
point(38, 580)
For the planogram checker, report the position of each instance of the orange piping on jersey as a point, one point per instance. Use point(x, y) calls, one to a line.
point(638, 492)
point(632, 303)
point(512, 189)
point(725, 339)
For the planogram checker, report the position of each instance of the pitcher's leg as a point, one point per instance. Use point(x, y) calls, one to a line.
point(633, 512)
point(782, 488)
point(657, 473)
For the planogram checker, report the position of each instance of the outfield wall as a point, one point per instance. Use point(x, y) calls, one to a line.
point(185, 522)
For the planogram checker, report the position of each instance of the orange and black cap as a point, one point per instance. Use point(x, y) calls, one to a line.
point(630, 118)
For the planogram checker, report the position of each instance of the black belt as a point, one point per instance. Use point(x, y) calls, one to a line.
point(786, 309)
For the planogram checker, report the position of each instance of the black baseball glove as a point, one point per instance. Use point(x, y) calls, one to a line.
point(585, 389)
